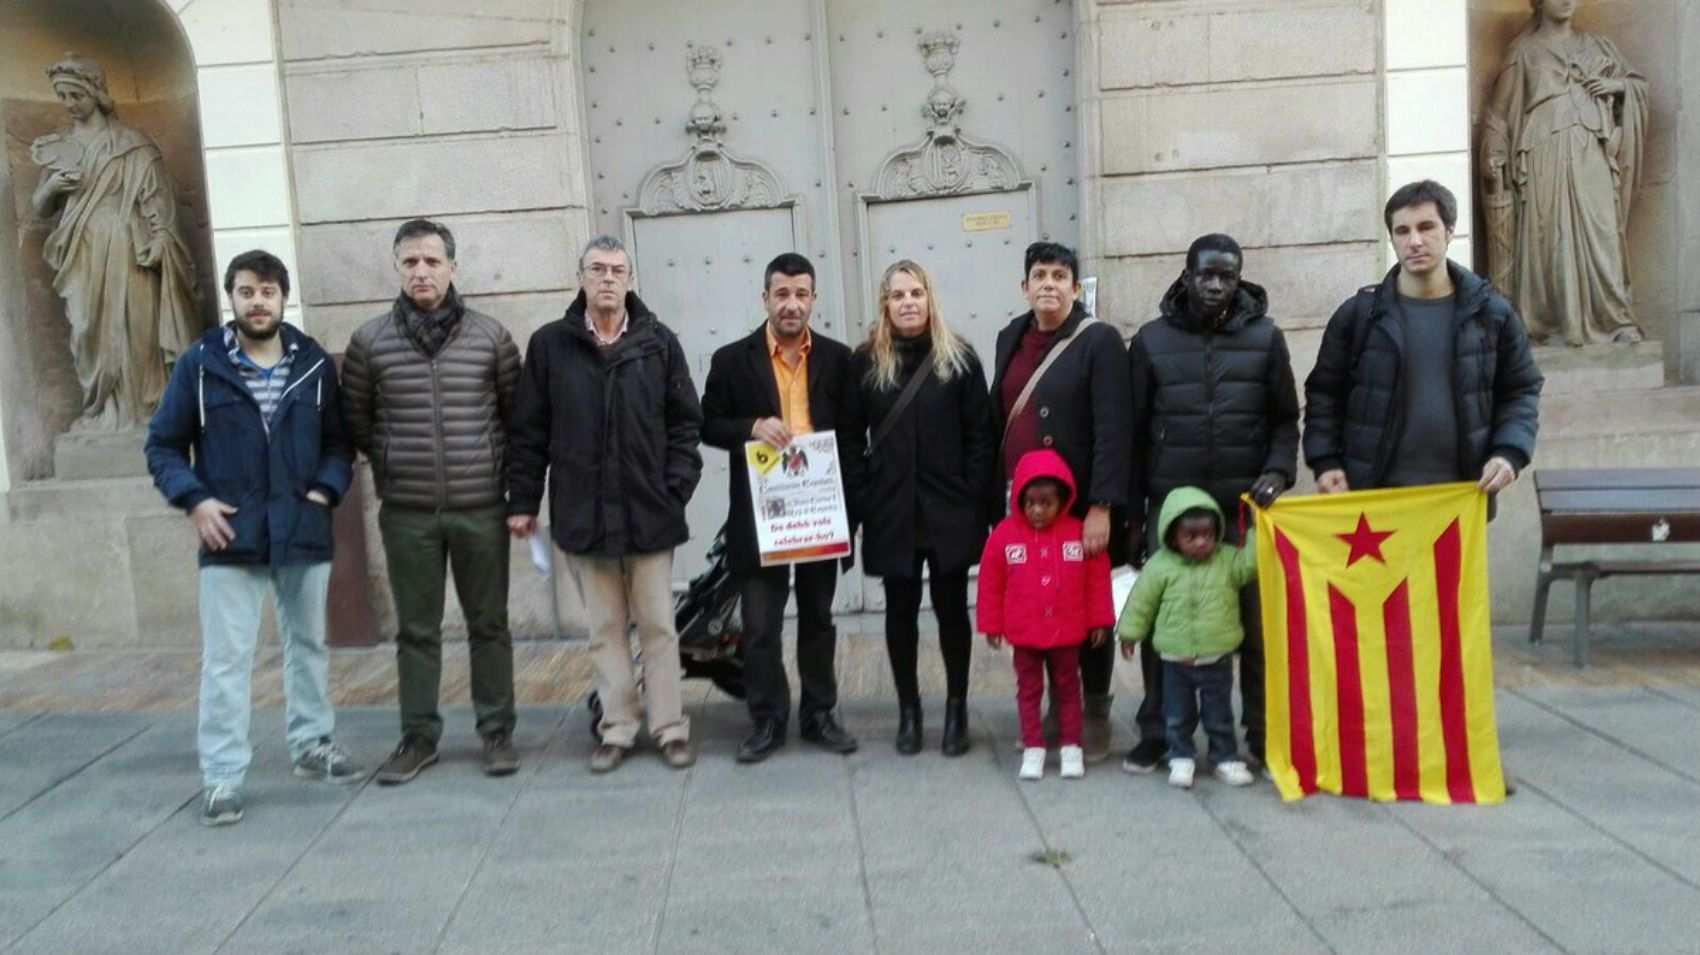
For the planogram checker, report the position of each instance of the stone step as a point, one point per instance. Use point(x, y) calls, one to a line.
point(1594, 368)
point(82, 455)
point(104, 498)
point(1620, 411)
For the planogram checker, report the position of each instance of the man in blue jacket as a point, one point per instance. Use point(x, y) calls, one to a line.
point(249, 441)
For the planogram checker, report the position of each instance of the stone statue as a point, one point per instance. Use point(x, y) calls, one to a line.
point(1562, 143)
point(118, 259)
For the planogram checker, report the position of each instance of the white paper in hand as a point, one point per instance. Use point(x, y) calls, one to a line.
point(1121, 587)
point(540, 551)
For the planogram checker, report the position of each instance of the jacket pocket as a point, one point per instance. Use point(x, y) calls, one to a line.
point(313, 532)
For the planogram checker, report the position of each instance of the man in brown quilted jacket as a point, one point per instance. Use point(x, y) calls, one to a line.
point(428, 387)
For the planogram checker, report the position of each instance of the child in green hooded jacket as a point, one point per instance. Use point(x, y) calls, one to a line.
point(1189, 596)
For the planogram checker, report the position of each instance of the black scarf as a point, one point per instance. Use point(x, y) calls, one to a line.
point(429, 331)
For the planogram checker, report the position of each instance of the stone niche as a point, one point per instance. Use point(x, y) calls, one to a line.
point(150, 74)
point(1647, 32)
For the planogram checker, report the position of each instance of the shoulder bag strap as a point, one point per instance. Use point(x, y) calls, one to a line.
point(903, 400)
point(1038, 373)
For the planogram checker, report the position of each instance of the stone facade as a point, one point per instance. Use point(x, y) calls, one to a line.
point(1176, 97)
point(1283, 122)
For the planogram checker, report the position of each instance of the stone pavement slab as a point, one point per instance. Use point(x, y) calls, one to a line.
point(812, 852)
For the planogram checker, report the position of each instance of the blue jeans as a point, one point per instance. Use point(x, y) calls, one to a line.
point(232, 598)
point(1190, 692)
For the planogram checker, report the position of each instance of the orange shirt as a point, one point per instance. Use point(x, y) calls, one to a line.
point(793, 381)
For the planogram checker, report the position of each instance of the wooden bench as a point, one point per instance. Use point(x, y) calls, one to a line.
point(1610, 506)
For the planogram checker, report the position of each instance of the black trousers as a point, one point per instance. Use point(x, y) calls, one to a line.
point(903, 629)
point(763, 594)
point(1097, 665)
point(1150, 716)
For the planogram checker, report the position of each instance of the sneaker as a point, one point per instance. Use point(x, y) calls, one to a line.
point(606, 758)
point(326, 761)
point(222, 805)
point(1234, 773)
point(678, 754)
point(500, 758)
point(1145, 757)
point(1180, 773)
point(1073, 762)
point(410, 758)
point(1032, 763)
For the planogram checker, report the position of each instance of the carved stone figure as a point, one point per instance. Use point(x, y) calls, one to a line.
point(710, 177)
point(1562, 143)
point(118, 258)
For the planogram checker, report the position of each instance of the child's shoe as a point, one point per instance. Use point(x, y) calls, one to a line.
point(1073, 762)
point(1033, 763)
point(1234, 773)
point(1180, 773)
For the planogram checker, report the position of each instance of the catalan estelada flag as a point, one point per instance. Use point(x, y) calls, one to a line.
point(1378, 654)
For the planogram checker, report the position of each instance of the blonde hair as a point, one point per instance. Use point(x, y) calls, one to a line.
point(951, 354)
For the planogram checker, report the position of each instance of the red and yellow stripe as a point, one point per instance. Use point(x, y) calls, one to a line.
point(1379, 665)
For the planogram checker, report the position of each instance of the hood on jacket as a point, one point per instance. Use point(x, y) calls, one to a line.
point(1250, 304)
point(213, 339)
point(1181, 500)
point(1043, 463)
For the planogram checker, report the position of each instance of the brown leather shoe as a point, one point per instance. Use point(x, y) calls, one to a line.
point(500, 757)
point(409, 759)
point(607, 758)
point(678, 753)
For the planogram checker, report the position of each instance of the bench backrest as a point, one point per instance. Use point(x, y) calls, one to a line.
point(1619, 506)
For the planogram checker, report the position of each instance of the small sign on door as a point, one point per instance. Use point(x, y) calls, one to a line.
point(985, 221)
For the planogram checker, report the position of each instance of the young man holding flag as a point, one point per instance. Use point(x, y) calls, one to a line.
point(1424, 396)
point(1426, 378)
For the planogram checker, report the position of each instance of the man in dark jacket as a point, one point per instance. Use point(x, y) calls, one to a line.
point(1078, 408)
point(606, 407)
point(1214, 406)
point(1426, 378)
point(254, 404)
point(781, 380)
point(429, 388)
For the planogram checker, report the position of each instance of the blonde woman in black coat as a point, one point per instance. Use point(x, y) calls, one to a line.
point(918, 485)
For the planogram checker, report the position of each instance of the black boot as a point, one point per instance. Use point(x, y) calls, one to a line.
point(909, 728)
point(955, 728)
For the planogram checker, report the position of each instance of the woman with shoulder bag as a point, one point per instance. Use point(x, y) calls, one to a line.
point(919, 453)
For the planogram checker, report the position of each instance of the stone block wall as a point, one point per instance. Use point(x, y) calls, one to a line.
point(1688, 151)
point(1259, 119)
point(467, 113)
point(248, 186)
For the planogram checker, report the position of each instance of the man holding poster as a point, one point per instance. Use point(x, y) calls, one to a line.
point(771, 402)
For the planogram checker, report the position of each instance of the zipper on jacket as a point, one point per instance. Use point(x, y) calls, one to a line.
point(1210, 403)
point(441, 456)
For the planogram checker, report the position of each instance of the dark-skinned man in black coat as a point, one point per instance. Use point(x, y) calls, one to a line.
point(1214, 406)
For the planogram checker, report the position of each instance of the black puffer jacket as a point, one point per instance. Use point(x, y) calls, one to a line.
point(927, 478)
point(1082, 404)
point(1211, 408)
point(434, 427)
point(1354, 399)
point(617, 430)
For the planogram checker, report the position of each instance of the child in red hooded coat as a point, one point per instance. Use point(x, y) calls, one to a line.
point(1040, 591)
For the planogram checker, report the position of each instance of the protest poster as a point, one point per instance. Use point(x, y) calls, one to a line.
point(797, 496)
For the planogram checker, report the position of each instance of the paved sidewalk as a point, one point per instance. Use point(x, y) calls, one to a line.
point(100, 850)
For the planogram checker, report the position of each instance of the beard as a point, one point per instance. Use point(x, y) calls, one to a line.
point(244, 324)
